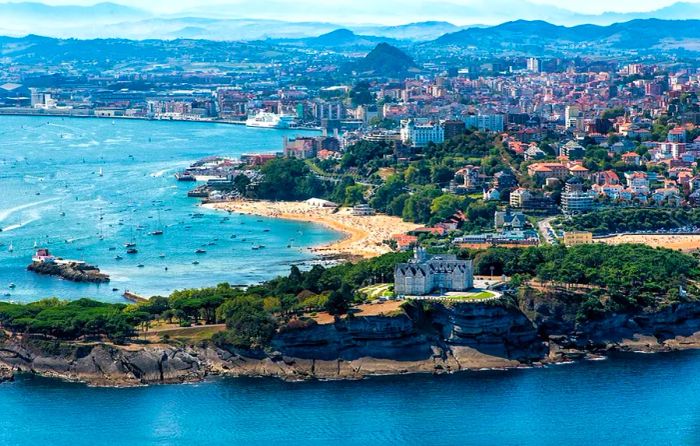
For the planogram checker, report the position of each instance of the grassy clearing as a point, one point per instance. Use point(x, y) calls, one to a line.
point(475, 296)
point(376, 291)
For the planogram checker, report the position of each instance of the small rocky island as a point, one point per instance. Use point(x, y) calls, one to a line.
point(74, 270)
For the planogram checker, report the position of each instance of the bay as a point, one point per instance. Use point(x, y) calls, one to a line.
point(51, 166)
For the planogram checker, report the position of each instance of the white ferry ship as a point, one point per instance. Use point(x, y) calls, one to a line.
point(270, 121)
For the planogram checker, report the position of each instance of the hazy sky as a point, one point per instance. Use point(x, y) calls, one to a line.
point(587, 6)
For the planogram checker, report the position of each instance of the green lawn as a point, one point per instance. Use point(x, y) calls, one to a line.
point(475, 296)
point(378, 290)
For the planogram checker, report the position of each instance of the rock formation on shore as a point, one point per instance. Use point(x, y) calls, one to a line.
point(75, 272)
point(426, 338)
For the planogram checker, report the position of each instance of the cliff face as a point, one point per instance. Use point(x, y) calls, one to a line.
point(100, 364)
point(426, 340)
point(433, 338)
point(669, 327)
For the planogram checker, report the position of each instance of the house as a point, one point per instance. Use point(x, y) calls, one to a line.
point(509, 220)
point(632, 159)
point(363, 210)
point(542, 171)
point(572, 150)
point(638, 182)
point(404, 242)
point(425, 274)
point(519, 196)
point(578, 170)
point(533, 153)
point(504, 180)
point(492, 194)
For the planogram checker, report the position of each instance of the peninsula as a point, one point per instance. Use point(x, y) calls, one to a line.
point(351, 321)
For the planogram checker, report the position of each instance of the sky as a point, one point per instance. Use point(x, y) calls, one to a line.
point(586, 7)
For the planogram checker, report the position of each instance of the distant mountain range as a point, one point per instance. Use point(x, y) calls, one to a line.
point(531, 36)
point(224, 22)
point(385, 56)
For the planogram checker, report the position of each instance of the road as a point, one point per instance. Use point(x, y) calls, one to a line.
point(546, 231)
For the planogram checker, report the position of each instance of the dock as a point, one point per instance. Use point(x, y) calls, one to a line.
point(133, 297)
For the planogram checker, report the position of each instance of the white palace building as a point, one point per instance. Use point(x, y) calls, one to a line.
point(425, 274)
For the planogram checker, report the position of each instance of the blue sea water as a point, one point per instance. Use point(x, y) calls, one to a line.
point(50, 166)
point(626, 400)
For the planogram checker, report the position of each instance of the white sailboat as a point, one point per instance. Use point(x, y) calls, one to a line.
point(11, 248)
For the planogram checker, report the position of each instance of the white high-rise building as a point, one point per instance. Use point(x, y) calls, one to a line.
point(571, 114)
point(533, 64)
point(488, 122)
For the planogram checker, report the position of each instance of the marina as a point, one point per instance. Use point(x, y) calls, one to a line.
point(115, 220)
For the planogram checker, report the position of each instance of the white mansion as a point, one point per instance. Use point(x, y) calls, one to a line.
point(425, 274)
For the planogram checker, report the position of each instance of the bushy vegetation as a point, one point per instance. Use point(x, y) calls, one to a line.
point(624, 277)
point(632, 269)
point(69, 320)
point(251, 314)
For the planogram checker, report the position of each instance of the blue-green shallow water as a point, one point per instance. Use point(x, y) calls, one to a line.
point(627, 400)
point(50, 165)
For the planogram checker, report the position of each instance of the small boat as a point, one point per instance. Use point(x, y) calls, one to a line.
point(115, 289)
point(131, 251)
point(195, 263)
point(119, 258)
point(266, 230)
point(140, 265)
point(112, 248)
point(158, 232)
point(129, 244)
point(12, 286)
point(101, 172)
point(256, 247)
point(162, 256)
point(200, 251)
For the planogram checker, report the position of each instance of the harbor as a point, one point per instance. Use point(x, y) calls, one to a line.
point(87, 205)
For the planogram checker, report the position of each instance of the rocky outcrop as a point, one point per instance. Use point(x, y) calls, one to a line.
point(670, 327)
point(428, 338)
point(102, 364)
point(6, 375)
point(75, 272)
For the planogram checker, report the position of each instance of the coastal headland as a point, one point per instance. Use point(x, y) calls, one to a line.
point(532, 329)
point(365, 236)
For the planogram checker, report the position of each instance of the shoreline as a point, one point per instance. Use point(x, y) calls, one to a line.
point(363, 236)
point(189, 365)
point(139, 118)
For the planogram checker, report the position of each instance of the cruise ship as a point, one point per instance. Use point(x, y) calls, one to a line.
point(270, 121)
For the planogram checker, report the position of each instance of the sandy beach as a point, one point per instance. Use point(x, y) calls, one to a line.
point(670, 241)
point(365, 236)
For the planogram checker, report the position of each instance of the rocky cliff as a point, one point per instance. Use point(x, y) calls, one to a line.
point(426, 338)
